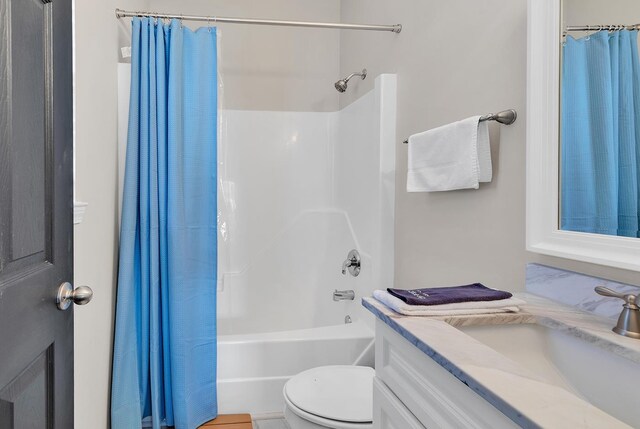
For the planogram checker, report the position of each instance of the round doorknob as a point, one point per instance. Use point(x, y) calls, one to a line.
point(67, 295)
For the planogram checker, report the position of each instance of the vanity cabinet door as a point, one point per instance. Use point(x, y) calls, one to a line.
point(389, 412)
point(427, 390)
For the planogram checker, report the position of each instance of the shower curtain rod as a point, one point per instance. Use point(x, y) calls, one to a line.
point(397, 28)
point(613, 27)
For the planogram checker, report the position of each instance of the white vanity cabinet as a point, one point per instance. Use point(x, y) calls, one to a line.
point(389, 412)
point(412, 391)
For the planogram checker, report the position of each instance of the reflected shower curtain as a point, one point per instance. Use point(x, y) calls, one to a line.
point(164, 362)
point(600, 132)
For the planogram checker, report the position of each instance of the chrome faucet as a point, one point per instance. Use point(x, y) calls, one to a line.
point(629, 320)
point(352, 263)
point(344, 295)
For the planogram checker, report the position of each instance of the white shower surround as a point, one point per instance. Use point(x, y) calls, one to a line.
point(301, 189)
point(298, 190)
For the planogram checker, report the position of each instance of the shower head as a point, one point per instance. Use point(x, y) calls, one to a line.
point(341, 85)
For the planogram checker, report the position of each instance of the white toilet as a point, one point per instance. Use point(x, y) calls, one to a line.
point(335, 397)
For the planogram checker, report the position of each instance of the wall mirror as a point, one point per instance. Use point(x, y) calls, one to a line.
point(583, 131)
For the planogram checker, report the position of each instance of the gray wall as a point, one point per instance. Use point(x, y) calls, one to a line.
point(273, 68)
point(95, 239)
point(592, 12)
point(455, 59)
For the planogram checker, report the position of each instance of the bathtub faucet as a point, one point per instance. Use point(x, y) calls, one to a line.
point(344, 295)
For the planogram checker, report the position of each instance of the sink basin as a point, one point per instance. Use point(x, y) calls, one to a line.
point(603, 378)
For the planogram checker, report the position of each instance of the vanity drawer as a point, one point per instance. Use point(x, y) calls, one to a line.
point(389, 412)
point(431, 393)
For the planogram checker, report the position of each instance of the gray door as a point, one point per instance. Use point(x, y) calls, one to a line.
point(36, 213)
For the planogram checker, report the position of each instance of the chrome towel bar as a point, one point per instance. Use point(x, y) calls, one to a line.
point(506, 117)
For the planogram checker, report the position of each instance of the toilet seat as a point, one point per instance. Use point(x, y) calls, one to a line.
point(339, 396)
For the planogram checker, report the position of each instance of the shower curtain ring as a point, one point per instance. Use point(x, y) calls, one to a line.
point(209, 23)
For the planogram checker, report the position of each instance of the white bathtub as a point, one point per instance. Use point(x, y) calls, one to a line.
point(253, 368)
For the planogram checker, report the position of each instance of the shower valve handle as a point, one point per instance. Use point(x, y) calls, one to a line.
point(352, 263)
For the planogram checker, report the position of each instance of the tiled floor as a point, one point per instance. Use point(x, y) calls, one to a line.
point(271, 424)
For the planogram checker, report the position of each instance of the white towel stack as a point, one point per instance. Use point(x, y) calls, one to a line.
point(454, 156)
point(509, 305)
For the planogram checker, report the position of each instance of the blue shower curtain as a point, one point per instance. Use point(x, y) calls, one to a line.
point(600, 130)
point(164, 363)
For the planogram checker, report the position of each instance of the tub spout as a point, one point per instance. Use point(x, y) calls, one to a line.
point(344, 295)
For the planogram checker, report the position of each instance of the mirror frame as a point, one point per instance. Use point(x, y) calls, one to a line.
point(543, 148)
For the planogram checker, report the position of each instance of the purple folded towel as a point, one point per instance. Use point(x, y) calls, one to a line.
point(449, 295)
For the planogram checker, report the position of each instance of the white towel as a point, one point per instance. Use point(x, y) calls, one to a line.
point(509, 305)
point(454, 156)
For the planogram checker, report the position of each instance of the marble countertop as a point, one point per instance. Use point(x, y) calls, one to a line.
point(525, 397)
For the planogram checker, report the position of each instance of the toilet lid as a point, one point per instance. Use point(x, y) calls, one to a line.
point(343, 393)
